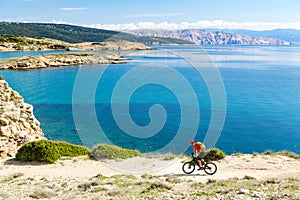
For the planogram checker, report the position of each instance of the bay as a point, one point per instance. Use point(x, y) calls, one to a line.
point(261, 85)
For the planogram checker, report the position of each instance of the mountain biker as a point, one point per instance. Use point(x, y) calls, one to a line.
point(199, 149)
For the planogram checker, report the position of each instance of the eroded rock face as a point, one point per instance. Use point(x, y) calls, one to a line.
point(17, 122)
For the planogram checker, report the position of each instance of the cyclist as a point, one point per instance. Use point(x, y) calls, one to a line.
point(199, 149)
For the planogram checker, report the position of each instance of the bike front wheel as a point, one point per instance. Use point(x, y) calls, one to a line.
point(210, 168)
point(188, 167)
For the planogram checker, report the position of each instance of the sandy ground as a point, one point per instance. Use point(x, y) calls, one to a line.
point(239, 166)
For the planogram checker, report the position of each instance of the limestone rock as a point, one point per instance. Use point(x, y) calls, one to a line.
point(57, 60)
point(17, 122)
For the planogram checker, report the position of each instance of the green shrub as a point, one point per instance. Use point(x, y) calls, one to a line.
point(49, 151)
point(214, 154)
point(1, 78)
point(105, 151)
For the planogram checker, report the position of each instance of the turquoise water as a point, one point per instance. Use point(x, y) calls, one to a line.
point(262, 98)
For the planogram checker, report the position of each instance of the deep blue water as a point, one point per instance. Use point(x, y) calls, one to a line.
point(261, 85)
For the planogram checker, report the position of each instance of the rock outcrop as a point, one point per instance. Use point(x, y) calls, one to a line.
point(63, 59)
point(17, 122)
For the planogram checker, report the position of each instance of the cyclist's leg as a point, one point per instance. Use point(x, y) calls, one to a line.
point(200, 157)
point(199, 161)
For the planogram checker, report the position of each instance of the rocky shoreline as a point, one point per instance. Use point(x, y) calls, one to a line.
point(17, 121)
point(62, 59)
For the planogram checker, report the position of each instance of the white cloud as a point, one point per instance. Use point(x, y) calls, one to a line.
point(200, 25)
point(72, 9)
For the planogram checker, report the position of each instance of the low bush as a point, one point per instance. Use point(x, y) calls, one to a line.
point(49, 151)
point(1, 78)
point(106, 151)
point(214, 154)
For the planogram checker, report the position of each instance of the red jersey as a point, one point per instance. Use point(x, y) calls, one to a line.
point(199, 148)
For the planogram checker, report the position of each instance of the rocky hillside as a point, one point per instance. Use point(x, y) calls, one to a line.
point(17, 122)
point(22, 43)
point(62, 59)
point(78, 34)
point(109, 45)
point(203, 37)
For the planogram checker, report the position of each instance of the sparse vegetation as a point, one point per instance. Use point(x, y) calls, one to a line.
point(12, 177)
point(282, 153)
point(49, 151)
point(1, 78)
point(156, 188)
point(105, 151)
point(19, 43)
point(17, 39)
point(250, 189)
point(12, 39)
point(123, 186)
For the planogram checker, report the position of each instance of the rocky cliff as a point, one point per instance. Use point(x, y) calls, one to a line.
point(203, 37)
point(17, 122)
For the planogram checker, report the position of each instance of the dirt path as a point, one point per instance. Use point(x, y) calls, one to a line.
point(259, 167)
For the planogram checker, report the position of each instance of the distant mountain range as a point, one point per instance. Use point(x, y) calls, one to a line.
point(205, 37)
point(77, 34)
point(290, 35)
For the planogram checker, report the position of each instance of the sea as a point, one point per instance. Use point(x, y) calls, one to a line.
point(241, 99)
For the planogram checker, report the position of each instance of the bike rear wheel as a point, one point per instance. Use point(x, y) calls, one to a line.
point(210, 168)
point(188, 167)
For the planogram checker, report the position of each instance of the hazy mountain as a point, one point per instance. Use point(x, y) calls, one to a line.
point(204, 37)
point(76, 34)
point(290, 35)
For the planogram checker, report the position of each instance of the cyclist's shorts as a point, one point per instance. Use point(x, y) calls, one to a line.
point(200, 155)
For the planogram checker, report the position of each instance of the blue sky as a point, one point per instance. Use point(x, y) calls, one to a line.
point(115, 14)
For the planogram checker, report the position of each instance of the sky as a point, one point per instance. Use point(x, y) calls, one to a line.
point(157, 14)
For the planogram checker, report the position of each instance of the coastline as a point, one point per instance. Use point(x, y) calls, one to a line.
point(65, 58)
point(61, 59)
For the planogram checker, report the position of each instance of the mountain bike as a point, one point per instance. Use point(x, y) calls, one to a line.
point(209, 167)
